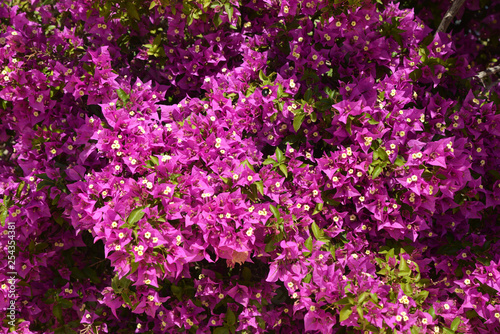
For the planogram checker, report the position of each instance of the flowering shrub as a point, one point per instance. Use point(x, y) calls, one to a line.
point(249, 167)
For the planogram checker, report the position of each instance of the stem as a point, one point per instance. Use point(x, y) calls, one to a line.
point(450, 14)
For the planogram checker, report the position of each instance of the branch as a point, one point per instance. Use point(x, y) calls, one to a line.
point(450, 14)
point(483, 74)
point(491, 70)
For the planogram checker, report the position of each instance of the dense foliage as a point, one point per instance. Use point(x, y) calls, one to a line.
point(252, 166)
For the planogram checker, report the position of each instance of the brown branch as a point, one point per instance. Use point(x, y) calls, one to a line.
point(491, 70)
point(450, 14)
point(483, 74)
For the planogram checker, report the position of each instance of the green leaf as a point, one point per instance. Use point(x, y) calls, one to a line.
point(407, 288)
point(307, 279)
point(133, 267)
point(432, 312)
point(382, 154)
point(40, 247)
point(360, 312)
point(43, 177)
point(376, 171)
point(217, 20)
point(400, 161)
point(246, 273)
point(374, 298)
point(126, 298)
point(455, 323)
point(57, 311)
point(65, 303)
point(416, 74)
point(388, 254)
point(176, 291)
point(135, 215)
point(279, 155)
point(308, 95)
point(154, 160)
point(297, 121)
point(275, 211)
point(422, 296)
point(260, 187)
point(270, 246)
point(269, 161)
point(318, 208)
point(20, 188)
point(284, 170)
point(122, 95)
point(313, 117)
point(221, 330)
point(92, 274)
point(404, 270)
point(309, 244)
point(248, 164)
point(349, 125)
point(318, 233)
point(44, 184)
point(262, 76)
point(345, 313)
point(362, 297)
point(3, 215)
point(330, 92)
point(280, 91)
point(117, 284)
point(344, 301)
point(471, 314)
point(415, 330)
point(495, 173)
point(156, 43)
point(230, 317)
point(229, 11)
point(132, 10)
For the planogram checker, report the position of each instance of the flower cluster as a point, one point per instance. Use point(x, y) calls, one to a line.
point(248, 166)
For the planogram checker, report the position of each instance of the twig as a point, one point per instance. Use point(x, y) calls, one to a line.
point(450, 14)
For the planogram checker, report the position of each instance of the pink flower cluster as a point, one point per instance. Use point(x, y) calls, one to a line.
point(254, 166)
